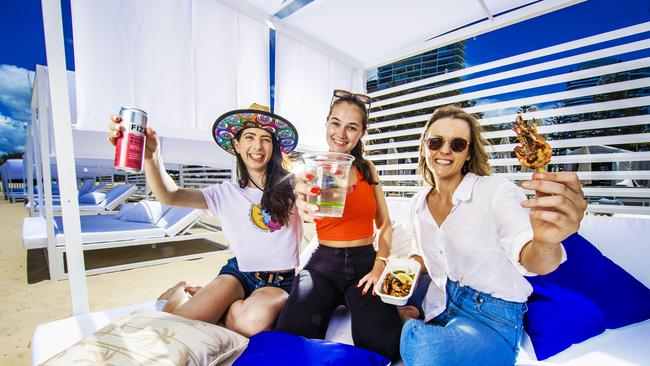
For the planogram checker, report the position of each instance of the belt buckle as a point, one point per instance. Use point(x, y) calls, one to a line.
point(268, 279)
point(272, 276)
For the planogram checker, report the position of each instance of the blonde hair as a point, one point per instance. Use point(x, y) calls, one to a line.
point(478, 156)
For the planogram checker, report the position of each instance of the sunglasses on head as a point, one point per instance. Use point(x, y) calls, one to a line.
point(340, 93)
point(457, 144)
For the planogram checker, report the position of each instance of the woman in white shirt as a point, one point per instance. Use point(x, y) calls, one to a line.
point(477, 236)
point(258, 219)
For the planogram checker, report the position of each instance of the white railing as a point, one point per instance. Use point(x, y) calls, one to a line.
point(139, 181)
point(598, 126)
point(106, 179)
point(202, 176)
point(187, 176)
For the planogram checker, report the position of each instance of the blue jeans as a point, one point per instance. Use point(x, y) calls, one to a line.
point(250, 282)
point(329, 280)
point(475, 329)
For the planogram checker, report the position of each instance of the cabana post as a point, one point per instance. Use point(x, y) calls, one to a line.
point(60, 104)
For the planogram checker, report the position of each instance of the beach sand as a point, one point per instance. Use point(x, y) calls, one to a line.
point(23, 306)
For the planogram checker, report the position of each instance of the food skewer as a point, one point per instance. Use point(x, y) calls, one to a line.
point(534, 151)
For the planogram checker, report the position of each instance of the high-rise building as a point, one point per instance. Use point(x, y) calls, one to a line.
point(605, 79)
point(431, 63)
point(588, 82)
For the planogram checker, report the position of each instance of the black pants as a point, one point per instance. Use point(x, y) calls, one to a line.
point(329, 280)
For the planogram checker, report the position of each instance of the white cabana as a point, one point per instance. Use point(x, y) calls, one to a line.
point(14, 181)
point(187, 62)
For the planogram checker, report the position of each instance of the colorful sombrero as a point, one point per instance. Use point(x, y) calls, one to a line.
point(228, 124)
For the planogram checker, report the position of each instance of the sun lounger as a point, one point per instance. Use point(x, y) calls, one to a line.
point(107, 231)
point(14, 194)
point(117, 195)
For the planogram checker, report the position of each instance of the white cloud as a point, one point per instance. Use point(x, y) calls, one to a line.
point(12, 135)
point(15, 98)
point(16, 91)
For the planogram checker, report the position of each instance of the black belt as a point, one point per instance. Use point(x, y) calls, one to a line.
point(270, 277)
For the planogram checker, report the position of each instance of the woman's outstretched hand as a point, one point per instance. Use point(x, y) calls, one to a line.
point(305, 209)
point(558, 206)
point(115, 131)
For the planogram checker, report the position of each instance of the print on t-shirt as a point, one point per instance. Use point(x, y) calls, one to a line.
point(261, 219)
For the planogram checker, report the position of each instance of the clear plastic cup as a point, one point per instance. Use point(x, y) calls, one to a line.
point(330, 171)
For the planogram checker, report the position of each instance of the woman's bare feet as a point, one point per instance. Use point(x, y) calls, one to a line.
point(408, 312)
point(178, 295)
point(172, 290)
point(191, 290)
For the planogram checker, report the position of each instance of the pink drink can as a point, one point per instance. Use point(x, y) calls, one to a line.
point(129, 149)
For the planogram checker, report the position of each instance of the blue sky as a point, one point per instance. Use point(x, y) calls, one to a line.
point(23, 47)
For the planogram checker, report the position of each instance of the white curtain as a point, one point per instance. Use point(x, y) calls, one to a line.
point(193, 152)
point(305, 79)
point(183, 62)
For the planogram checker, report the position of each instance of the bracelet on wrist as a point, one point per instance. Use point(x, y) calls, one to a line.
point(381, 259)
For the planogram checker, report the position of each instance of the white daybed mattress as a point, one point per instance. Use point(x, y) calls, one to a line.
point(619, 347)
point(94, 229)
point(624, 240)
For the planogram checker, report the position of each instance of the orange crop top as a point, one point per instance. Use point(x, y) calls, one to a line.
point(358, 216)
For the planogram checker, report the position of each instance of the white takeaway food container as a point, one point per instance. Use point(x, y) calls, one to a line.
point(407, 265)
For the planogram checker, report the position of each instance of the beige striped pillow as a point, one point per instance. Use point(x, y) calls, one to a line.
point(152, 337)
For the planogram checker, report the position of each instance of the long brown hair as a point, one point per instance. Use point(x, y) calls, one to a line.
point(478, 156)
point(362, 165)
point(277, 198)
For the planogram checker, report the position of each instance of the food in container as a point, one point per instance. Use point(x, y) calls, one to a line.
point(398, 281)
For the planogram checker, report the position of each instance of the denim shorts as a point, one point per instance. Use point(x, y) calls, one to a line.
point(250, 282)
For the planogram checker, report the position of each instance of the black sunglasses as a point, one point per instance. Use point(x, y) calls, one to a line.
point(457, 144)
point(340, 93)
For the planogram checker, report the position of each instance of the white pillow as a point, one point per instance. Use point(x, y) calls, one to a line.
point(144, 211)
point(152, 337)
point(92, 197)
point(402, 239)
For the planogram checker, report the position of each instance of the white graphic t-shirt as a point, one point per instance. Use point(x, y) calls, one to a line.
point(259, 243)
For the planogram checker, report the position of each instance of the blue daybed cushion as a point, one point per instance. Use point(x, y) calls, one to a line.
point(97, 187)
point(123, 209)
point(86, 186)
point(92, 197)
point(144, 211)
point(116, 191)
point(279, 348)
point(586, 295)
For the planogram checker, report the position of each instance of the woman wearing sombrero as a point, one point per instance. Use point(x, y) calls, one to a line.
point(258, 218)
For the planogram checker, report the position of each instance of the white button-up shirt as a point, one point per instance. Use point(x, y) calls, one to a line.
point(479, 242)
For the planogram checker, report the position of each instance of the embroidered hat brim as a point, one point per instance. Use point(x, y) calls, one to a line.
point(226, 127)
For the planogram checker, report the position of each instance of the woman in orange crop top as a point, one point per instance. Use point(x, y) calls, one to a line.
point(345, 267)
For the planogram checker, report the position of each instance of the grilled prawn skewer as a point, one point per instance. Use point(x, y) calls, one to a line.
point(534, 151)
